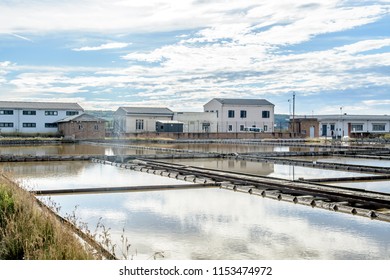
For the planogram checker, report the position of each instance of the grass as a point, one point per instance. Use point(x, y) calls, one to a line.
point(30, 232)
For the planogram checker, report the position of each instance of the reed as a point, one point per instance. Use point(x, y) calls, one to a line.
point(28, 231)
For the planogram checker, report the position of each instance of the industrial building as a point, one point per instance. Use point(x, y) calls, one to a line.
point(139, 119)
point(198, 122)
point(338, 126)
point(32, 118)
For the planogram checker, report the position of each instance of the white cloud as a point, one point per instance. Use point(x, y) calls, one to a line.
point(363, 46)
point(376, 102)
point(107, 46)
point(229, 48)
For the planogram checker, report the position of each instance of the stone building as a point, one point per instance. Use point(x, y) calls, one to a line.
point(82, 127)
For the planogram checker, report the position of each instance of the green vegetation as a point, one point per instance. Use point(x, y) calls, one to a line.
point(28, 231)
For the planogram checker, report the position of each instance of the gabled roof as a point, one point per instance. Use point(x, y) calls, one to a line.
point(239, 101)
point(147, 110)
point(82, 118)
point(40, 105)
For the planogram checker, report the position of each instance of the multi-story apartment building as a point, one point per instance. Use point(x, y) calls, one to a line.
point(34, 117)
point(240, 115)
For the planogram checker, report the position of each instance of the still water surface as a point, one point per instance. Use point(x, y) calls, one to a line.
point(205, 223)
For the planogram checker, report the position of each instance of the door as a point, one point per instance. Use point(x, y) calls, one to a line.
point(324, 130)
point(312, 132)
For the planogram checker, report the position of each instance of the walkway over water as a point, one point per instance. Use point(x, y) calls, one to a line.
point(375, 205)
point(121, 189)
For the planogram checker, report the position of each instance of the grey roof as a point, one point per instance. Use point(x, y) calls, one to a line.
point(40, 105)
point(239, 101)
point(147, 110)
point(82, 118)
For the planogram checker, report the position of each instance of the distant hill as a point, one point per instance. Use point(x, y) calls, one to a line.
point(107, 115)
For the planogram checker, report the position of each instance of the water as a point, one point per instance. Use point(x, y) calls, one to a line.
point(267, 169)
point(220, 224)
point(207, 223)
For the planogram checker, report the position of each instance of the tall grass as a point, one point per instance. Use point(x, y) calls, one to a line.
point(31, 232)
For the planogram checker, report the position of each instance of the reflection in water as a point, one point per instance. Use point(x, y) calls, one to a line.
point(220, 224)
point(267, 169)
point(377, 186)
point(207, 223)
point(348, 160)
point(204, 223)
point(65, 175)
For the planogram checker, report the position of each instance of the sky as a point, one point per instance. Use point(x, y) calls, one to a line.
point(334, 55)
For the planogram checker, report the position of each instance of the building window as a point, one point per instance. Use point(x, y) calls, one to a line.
point(139, 124)
point(6, 112)
point(265, 114)
point(265, 127)
point(357, 127)
point(29, 125)
point(30, 113)
point(51, 113)
point(243, 114)
point(242, 127)
point(230, 127)
point(332, 126)
point(379, 127)
point(51, 125)
point(231, 114)
point(80, 127)
point(6, 124)
point(72, 113)
point(96, 127)
point(206, 127)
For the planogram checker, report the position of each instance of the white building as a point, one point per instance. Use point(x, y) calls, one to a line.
point(139, 119)
point(196, 122)
point(352, 125)
point(239, 115)
point(337, 126)
point(34, 117)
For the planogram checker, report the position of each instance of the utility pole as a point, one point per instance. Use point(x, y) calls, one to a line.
point(293, 116)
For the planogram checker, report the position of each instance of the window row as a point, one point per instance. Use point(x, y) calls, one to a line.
point(243, 114)
point(47, 125)
point(33, 113)
point(375, 127)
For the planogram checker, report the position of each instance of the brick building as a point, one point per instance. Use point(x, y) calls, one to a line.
point(305, 126)
point(82, 127)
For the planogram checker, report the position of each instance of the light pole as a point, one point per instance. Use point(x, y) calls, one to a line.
point(341, 123)
point(293, 114)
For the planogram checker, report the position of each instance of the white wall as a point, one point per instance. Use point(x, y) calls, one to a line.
point(341, 126)
point(193, 121)
point(253, 116)
point(40, 119)
point(149, 123)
